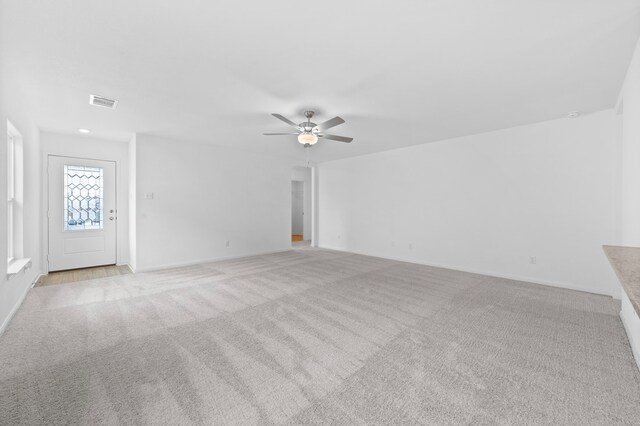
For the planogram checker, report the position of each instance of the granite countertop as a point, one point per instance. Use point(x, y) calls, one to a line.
point(626, 263)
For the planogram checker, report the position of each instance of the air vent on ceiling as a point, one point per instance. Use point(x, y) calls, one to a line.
point(101, 101)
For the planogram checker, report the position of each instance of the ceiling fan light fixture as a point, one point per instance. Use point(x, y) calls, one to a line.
point(308, 132)
point(307, 139)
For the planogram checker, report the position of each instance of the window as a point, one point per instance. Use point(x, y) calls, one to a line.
point(11, 192)
point(82, 198)
point(14, 193)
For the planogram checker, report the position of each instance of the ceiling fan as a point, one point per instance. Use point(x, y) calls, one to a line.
point(309, 132)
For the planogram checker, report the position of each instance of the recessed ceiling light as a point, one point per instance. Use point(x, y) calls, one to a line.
point(573, 114)
point(84, 130)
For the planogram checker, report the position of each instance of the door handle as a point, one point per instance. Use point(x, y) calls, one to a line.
point(111, 218)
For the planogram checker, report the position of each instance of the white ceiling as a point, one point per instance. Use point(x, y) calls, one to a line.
point(400, 73)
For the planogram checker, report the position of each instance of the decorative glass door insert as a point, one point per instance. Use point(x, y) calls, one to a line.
point(83, 199)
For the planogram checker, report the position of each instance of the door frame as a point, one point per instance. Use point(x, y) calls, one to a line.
point(45, 231)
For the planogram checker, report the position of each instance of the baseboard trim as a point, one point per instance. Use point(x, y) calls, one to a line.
point(15, 308)
point(480, 272)
point(216, 259)
point(33, 284)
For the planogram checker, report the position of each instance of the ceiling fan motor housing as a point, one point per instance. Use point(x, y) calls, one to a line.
point(308, 126)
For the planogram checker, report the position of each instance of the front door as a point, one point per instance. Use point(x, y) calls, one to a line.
point(82, 213)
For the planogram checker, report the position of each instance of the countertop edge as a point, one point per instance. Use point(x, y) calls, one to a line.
point(625, 261)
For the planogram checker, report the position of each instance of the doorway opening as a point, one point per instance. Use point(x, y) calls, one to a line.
point(301, 207)
point(82, 274)
point(297, 211)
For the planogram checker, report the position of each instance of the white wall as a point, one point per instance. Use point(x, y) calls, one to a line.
point(13, 94)
point(628, 207)
point(12, 291)
point(484, 203)
point(629, 103)
point(133, 233)
point(98, 149)
point(204, 196)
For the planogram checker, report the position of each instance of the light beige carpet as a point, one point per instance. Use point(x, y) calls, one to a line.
point(314, 336)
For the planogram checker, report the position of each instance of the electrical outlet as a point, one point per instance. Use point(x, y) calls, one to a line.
point(410, 246)
point(226, 244)
point(148, 196)
point(533, 260)
point(339, 236)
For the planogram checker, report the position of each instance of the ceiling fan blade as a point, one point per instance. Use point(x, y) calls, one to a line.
point(335, 138)
point(330, 123)
point(286, 120)
point(274, 134)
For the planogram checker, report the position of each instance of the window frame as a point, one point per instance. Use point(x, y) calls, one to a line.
point(11, 193)
point(15, 194)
